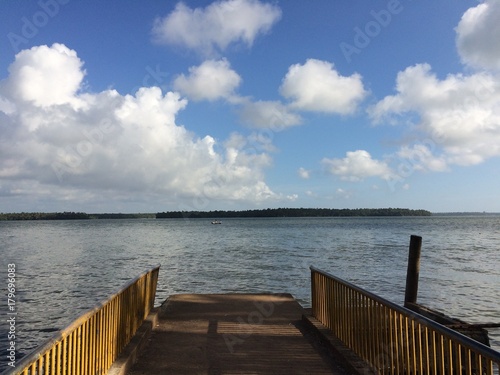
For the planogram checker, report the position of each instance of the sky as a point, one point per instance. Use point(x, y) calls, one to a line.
point(151, 106)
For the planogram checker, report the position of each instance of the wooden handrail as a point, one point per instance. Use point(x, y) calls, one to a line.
point(91, 343)
point(393, 339)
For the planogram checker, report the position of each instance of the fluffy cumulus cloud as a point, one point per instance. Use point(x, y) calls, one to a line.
point(271, 115)
point(35, 71)
point(356, 166)
point(317, 86)
point(213, 28)
point(459, 115)
point(212, 80)
point(57, 141)
point(478, 34)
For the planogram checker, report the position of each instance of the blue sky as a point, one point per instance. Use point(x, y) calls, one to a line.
point(128, 106)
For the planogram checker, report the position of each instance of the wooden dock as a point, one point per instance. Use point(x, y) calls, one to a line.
point(256, 334)
point(232, 334)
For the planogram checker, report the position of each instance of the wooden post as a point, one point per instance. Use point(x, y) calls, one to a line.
point(413, 269)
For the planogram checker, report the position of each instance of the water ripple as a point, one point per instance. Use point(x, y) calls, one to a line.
point(65, 268)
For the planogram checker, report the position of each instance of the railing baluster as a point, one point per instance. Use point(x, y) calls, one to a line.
point(368, 308)
point(97, 343)
point(355, 323)
point(401, 343)
point(418, 350)
point(111, 334)
point(390, 342)
point(478, 365)
point(347, 333)
point(426, 350)
point(64, 351)
point(450, 356)
point(434, 352)
point(442, 357)
point(73, 350)
point(53, 360)
point(91, 358)
point(457, 348)
point(489, 367)
point(381, 337)
point(46, 364)
point(83, 343)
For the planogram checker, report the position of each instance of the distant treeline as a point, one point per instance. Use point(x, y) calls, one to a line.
point(269, 212)
point(294, 212)
point(122, 216)
point(466, 213)
point(69, 216)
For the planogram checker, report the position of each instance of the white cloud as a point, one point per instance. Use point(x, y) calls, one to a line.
point(124, 147)
point(356, 166)
point(304, 173)
point(215, 27)
point(478, 33)
point(311, 194)
point(317, 86)
point(252, 144)
point(344, 194)
point(420, 157)
point(271, 115)
point(212, 80)
point(459, 114)
point(34, 72)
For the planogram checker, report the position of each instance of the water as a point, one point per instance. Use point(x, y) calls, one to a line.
point(63, 268)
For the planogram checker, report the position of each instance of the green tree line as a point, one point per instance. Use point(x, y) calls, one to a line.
point(269, 212)
point(293, 212)
point(71, 216)
point(44, 216)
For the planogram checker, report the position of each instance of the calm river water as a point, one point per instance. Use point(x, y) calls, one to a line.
point(63, 268)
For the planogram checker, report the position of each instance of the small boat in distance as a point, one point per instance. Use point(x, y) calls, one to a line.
point(216, 222)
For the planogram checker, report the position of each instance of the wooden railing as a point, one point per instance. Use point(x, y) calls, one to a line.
point(92, 342)
point(392, 339)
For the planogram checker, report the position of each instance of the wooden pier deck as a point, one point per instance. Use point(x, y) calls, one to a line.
point(234, 334)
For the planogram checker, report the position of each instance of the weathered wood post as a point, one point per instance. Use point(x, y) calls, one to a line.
point(413, 270)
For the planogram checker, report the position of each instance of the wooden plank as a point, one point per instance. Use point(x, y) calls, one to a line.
point(232, 333)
